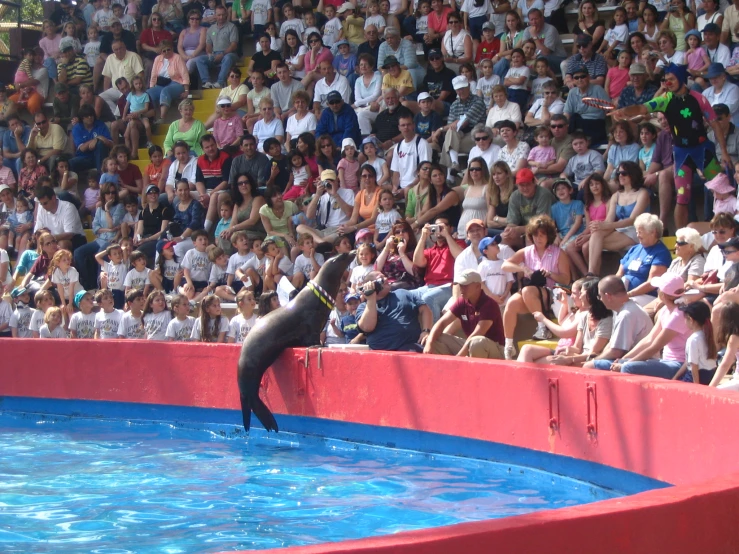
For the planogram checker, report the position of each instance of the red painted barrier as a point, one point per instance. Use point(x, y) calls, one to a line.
point(675, 432)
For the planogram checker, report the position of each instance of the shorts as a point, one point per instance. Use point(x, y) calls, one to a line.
point(200, 286)
point(381, 236)
point(570, 240)
point(168, 285)
point(705, 376)
point(629, 232)
point(476, 24)
point(119, 299)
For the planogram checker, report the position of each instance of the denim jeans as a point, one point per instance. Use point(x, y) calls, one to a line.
point(436, 297)
point(665, 369)
point(501, 68)
point(204, 64)
point(50, 65)
point(165, 95)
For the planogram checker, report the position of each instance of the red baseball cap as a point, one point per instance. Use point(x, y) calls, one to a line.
point(524, 175)
point(171, 244)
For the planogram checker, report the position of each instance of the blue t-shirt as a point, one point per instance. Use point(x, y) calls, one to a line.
point(137, 102)
point(345, 66)
point(564, 216)
point(26, 261)
point(639, 260)
point(425, 125)
point(80, 135)
point(618, 154)
point(349, 327)
point(223, 224)
point(107, 178)
point(397, 321)
point(11, 144)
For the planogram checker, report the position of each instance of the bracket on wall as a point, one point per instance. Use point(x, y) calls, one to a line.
point(553, 404)
point(592, 413)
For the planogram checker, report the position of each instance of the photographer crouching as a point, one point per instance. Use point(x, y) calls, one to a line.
point(390, 318)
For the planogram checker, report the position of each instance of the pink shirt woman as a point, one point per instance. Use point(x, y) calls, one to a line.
point(548, 262)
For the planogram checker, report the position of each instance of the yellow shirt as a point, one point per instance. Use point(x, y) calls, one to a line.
point(55, 139)
point(354, 29)
point(731, 18)
point(403, 80)
point(128, 67)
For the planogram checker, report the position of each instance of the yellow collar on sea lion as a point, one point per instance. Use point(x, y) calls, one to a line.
point(322, 295)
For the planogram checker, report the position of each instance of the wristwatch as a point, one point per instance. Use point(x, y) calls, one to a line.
point(425, 330)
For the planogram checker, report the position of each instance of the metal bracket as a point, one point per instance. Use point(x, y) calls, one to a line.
point(592, 413)
point(553, 404)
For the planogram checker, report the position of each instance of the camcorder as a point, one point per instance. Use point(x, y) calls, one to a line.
point(377, 287)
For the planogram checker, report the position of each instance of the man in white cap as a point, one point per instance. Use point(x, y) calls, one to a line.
point(467, 111)
point(331, 207)
point(479, 319)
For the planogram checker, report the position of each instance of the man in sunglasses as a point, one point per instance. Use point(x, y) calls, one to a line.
point(48, 139)
point(438, 83)
point(591, 121)
point(339, 120)
point(586, 56)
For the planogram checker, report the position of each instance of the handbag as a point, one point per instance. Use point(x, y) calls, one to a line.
point(538, 280)
point(163, 81)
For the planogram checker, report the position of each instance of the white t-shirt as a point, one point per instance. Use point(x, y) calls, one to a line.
point(285, 265)
point(260, 11)
point(155, 325)
point(263, 131)
point(198, 264)
point(20, 321)
point(331, 31)
point(197, 329)
point(490, 155)
point(180, 331)
point(5, 259)
point(238, 260)
point(137, 279)
point(57, 333)
point(617, 36)
point(107, 323)
point(305, 125)
point(386, 220)
point(678, 58)
point(240, 327)
point(6, 312)
point(493, 275)
point(65, 279)
point(469, 7)
point(519, 72)
point(485, 88)
point(555, 107)
point(256, 264)
point(116, 274)
point(339, 84)
point(359, 273)
point(696, 351)
point(131, 327)
point(295, 24)
point(217, 275)
point(66, 219)
point(36, 321)
point(336, 216)
point(171, 268)
point(83, 325)
point(407, 158)
point(305, 266)
point(376, 20)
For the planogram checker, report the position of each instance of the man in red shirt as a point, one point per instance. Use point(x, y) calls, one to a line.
point(479, 318)
point(439, 263)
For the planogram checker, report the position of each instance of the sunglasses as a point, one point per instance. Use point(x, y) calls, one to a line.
point(579, 77)
point(334, 102)
point(680, 243)
point(561, 126)
point(314, 41)
point(242, 182)
point(433, 58)
point(478, 139)
point(153, 19)
point(622, 173)
point(729, 251)
point(225, 105)
point(475, 169)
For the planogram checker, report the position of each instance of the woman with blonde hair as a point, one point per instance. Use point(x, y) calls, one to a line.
point(500, 188)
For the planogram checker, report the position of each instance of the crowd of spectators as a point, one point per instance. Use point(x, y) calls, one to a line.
point(453, 147)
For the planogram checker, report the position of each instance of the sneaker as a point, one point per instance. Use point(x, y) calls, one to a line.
point(217, 85)
point(455, 170)
point(207, 84)
point(509, 352)
point(149, 144)
point(542, 332)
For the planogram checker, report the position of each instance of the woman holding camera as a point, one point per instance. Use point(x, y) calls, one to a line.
point(396, 262)
point(543, 265)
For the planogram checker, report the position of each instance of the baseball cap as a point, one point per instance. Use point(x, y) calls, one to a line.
point(61, 88)
point(78, 297)
point(424, 96)
point(584, 40)
point(475, 222)
point(390, 61)
point(580, 69)
point(348, 142)
point(712, 28)
point(333, 96)
point(342, 42)
point(638, 69)
point(434, 53)
point(345, 7)
point(469, 276)
point(487, 241)
point(733, 242)
point(352, 296)
point(223, 101)
point(716, 69)
point(561, 181)
point(171, 244)
point(18, 291)
point(5, 187)
point(524, 175)
point(460, 82)
point(488, 25)
point(669, 283)
point(693, 33)
point(361, 234)
point(328, 174)
point(152, 188)
point(67, 47)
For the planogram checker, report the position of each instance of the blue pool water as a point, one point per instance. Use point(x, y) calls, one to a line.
point(86, 485)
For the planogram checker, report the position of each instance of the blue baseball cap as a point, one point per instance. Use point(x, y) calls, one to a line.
point(716, 69)
point(18, 291)
point(352, 296)
point(78, 298)
point(487, 241)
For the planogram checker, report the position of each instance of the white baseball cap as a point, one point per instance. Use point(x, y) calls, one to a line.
point(223, 100)
point(460, 82)
point(348, 142)
point(424, 96)
point(5, 187)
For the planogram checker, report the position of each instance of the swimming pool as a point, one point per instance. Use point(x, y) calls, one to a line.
point(81, 483)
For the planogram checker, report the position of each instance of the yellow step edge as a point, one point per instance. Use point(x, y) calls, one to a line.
point(551, 344)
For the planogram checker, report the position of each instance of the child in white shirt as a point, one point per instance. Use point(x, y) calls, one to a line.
point(108, 319)
point(496, 282)
point(180, 328)
point(132, 324)
point(245, 320)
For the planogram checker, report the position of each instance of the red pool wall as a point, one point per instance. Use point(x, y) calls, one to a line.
point(675, 432)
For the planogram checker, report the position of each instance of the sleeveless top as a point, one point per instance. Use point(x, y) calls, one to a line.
point(599, 213)
point(591, 31)
point(473, 207)
point(366, 211)
point(257, 230)
point(624, 212)
point(191, 40)
point(653, 36)
point(455, 45)
point(677, 26)
point(548, 262)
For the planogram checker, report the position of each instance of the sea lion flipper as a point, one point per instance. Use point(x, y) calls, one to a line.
point(245, 412)
point(263, 414)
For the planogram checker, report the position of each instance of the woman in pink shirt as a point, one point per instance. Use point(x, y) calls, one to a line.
point(170, 80)
point(50, 45)
point(437, 24)
point(317, 53)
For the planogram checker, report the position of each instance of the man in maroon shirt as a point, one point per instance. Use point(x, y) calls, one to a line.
point(479, 318)
point(439, 263)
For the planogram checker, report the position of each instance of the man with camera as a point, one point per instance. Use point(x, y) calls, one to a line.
point(331, 206)
point(390, 318)
point(439, 263)
point(479, 319)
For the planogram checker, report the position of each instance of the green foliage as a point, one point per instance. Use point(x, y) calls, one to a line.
point(32, 10)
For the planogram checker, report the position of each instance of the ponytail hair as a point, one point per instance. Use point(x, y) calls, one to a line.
point(701, 314)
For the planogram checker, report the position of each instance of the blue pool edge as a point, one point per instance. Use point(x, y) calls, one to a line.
point(601, 475)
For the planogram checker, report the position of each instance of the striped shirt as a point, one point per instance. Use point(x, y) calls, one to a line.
point(473, 108)
point(78, 68)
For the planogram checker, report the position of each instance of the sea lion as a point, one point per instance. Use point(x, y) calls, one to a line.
point(299, 323)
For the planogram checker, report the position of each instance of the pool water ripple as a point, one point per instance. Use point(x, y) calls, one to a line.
point(110, 486)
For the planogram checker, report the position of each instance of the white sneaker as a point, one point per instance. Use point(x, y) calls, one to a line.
point(542, 332)
point(217, 85)
point(509, 352)
point(207, 84)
